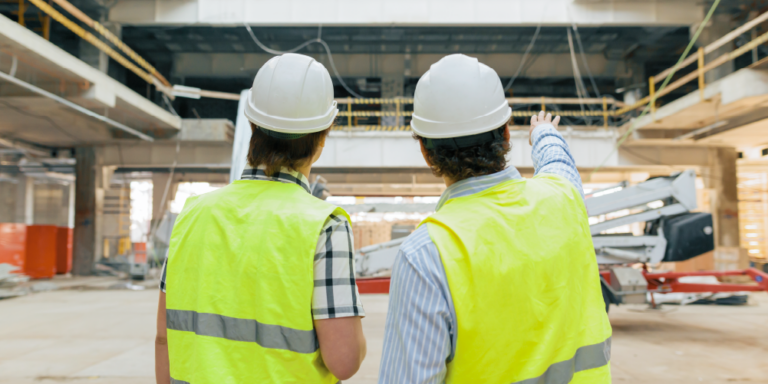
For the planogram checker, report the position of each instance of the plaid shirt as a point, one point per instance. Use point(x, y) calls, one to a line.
point(335, 294)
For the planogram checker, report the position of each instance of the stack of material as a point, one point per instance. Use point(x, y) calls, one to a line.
point(10, 282)
point(375, 232)
point(753, 213)
point(368, 233)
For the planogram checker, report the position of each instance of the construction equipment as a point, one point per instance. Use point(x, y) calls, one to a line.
point(671, 233)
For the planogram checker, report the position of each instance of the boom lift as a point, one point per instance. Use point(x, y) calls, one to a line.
point(672, 233)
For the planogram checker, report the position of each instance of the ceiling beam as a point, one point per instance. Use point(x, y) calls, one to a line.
point(411, 13)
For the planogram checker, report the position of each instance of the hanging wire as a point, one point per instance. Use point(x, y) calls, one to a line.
point(584, 60)
point(301, 46)
point(647, 108)
point(525, 56)
point(581, 89)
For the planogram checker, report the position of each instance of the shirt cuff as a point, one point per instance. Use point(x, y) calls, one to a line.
point(541, 130)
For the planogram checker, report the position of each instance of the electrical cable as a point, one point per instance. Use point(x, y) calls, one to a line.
point(169, 105)
point(303, 45)
point(525, 56)
point(647, 108)
point(153, 229)
point(584, 60)
point(581, 89)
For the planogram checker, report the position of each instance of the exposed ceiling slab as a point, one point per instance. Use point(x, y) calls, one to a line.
point(734, 112)
point(411, 12)
point(227, 65)
point(36, 119)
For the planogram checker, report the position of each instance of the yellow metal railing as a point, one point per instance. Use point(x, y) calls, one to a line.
point(348, 115)
point(147, 72)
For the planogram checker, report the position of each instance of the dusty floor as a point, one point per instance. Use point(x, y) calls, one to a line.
point(106, 337)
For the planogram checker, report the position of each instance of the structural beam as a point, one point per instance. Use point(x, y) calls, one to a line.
point(411, 13)
point(546, 65)
point(84, 240)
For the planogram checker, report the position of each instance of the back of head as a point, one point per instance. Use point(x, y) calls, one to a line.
point(290, 107)
point(460, 113)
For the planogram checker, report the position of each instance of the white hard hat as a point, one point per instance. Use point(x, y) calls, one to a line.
point(292, 94)
point(459, 96)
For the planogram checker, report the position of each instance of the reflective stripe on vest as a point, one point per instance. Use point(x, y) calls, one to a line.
point(174, 381)
point(524, 281)
point(230, 328)
point(588, 357)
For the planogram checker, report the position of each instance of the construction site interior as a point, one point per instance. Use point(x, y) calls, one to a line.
point(114, 112)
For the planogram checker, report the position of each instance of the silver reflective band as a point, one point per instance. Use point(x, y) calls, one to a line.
point(174, 381)
point(231, 328)
point(588, 357)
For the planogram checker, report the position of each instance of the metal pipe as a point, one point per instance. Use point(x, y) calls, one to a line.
point(74, 106)
point(74, 11)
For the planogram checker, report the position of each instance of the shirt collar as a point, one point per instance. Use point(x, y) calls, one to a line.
point(286, 175)
point(477, 184)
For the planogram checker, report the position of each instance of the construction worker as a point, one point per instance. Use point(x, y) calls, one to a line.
point(259, 285)
point(500, 284)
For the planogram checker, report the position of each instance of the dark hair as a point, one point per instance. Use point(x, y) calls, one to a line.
point(276, 153)
point(462, 163)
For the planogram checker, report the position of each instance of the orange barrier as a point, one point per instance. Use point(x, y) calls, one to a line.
point(139, 253)
point(63, 250)
point(41, 251)
point(13, 244)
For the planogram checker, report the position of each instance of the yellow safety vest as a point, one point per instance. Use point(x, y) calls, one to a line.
point(240, 282)
point(525, 284)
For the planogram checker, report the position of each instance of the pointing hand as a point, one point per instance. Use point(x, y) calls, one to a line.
point(540, 120)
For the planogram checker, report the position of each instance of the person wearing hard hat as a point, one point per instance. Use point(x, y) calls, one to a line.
point(500, 284)
point(259, 284)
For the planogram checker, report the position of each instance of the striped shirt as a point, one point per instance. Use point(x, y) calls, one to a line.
point(420, 334)
point(335, 293)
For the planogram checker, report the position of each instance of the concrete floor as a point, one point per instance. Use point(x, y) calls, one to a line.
point(106, 337)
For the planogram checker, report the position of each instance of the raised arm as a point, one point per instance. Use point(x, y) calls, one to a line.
point(550, 152)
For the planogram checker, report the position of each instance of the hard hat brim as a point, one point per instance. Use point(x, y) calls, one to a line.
point(290, 125)
point(442, 130)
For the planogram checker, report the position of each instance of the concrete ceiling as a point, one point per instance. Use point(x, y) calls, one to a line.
point(32, 118)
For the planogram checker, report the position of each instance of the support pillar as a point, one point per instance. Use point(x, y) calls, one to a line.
point(84, 239)
point(722, 180)
point(719, 26)
point(93, 56)
point(160, 205)
point(25, 200)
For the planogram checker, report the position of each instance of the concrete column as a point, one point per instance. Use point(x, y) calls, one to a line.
point(160, 205)
point(391, 86)
point(719, 26)
point(93, 56)
point(71, 206)
point(721, 178)
point(84, 241)
point(25, 200)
